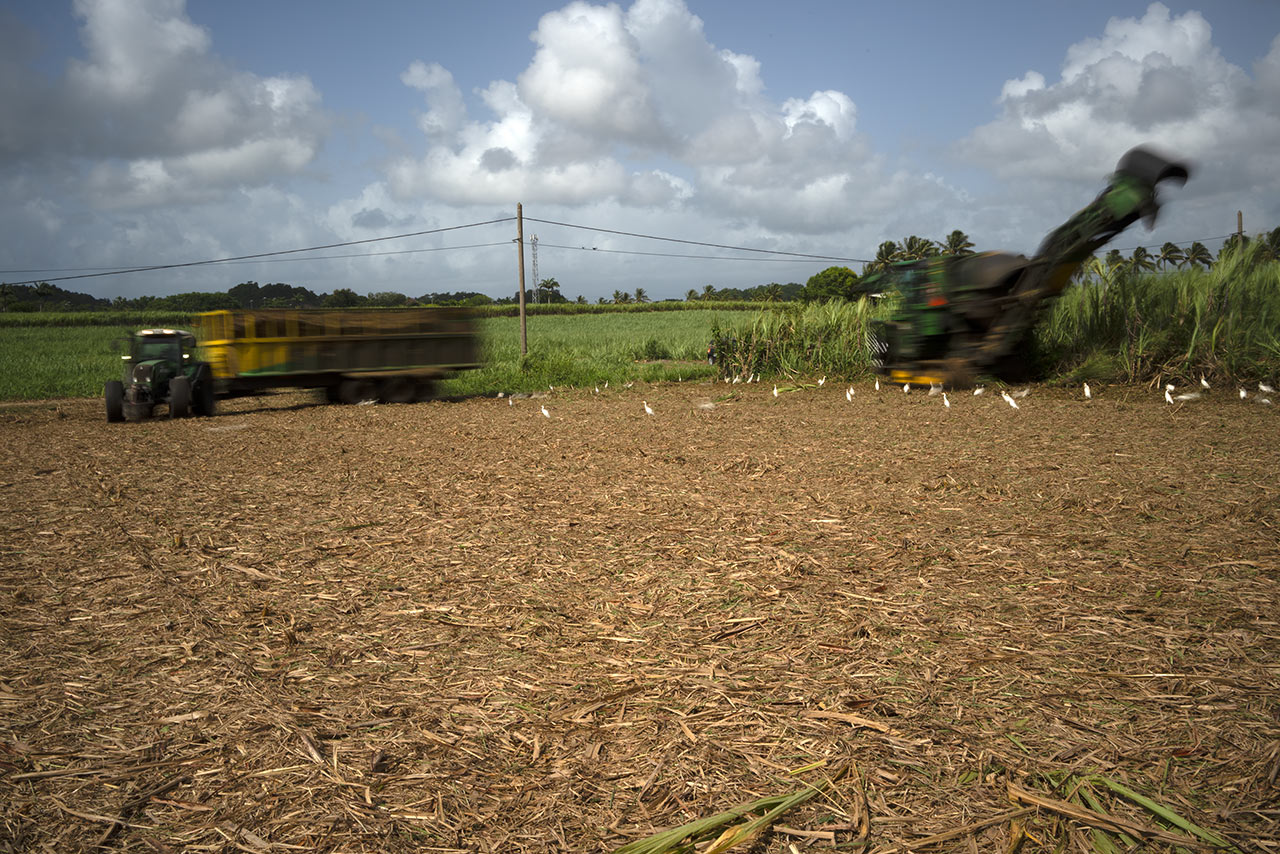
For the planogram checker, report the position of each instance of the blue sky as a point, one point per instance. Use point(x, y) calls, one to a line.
point(139, 132)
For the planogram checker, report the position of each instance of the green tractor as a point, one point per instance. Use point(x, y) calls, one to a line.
point(160, 368)
point(962, 317)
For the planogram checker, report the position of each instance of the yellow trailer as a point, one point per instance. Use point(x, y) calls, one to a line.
point(393, 355)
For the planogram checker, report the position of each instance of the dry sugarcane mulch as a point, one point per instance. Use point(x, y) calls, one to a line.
point(464, 626)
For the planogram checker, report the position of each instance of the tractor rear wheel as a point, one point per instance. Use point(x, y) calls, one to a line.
point(114, 394)
point(179, 397)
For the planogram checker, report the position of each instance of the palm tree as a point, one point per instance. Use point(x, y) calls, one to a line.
point(641, 296)
point(1231, 244)
point(773, 292)
point(1271, 243)
point(957, 243)
point(708, 292)
point(1171, 253)
point(690, 295)
point(915, 248)
point(886, 254)
point(1115, 259)
point(1142, 260)
point(1198, 255)
point(45, 292)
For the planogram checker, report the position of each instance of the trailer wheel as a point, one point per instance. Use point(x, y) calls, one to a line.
point(205, 402)
point(396, 390)
point(356, 391)
point(424, 389)
point(114, 393)
point(179, 397)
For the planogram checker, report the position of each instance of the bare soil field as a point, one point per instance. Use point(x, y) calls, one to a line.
point(464, 626)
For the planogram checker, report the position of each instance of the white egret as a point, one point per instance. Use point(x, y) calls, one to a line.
point(1263, 387)
point(1204, 383)
point(979, 391)
point(1088, 393)
point(1009, 400)
point(1168, 398)
point(545, 412)
point(945, 402)
point(648, 410)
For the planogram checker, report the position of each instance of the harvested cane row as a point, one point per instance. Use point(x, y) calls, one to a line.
point(464, 626)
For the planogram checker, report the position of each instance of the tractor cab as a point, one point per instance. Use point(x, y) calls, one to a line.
point(160, 367)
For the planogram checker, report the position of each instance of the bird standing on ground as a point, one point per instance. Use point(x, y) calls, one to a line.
point(906, 388)
point(1204, 383)
point(545, 412)
point(775, 389)
point(848, 394)
point(648, 410)
point(979, 391)
point(1243, 394)
point(822, 382)
point(1263, 387)
point(1009, 400)
point(945, 402)
point(1088, 394)
point(1168, 398)
point(877, 383)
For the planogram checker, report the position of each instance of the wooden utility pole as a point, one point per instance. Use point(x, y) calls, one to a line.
point(524, 336)
point(1240, 226)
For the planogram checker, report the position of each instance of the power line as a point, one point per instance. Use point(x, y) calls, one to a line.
point(286, 260)
point(672, 254)
point(698, 242)
point(262, 255)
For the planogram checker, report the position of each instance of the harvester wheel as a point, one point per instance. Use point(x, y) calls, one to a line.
point(205, 401)
point(179, 397)
point(356, 391)
point(396, 390)
point(114, 394)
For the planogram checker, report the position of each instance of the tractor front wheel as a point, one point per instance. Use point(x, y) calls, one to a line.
point(114, 393)
point(179, 397)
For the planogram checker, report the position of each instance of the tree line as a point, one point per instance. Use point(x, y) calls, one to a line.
point(830, 283)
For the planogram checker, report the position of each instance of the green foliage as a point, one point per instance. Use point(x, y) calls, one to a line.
point(1222, 322)
point(828, 338)
point(587, 350)
point(831, 283)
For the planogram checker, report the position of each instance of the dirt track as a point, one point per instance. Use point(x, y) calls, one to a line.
point(464, 626)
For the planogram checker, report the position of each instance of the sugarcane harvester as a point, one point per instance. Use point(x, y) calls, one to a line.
point(963, 317)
